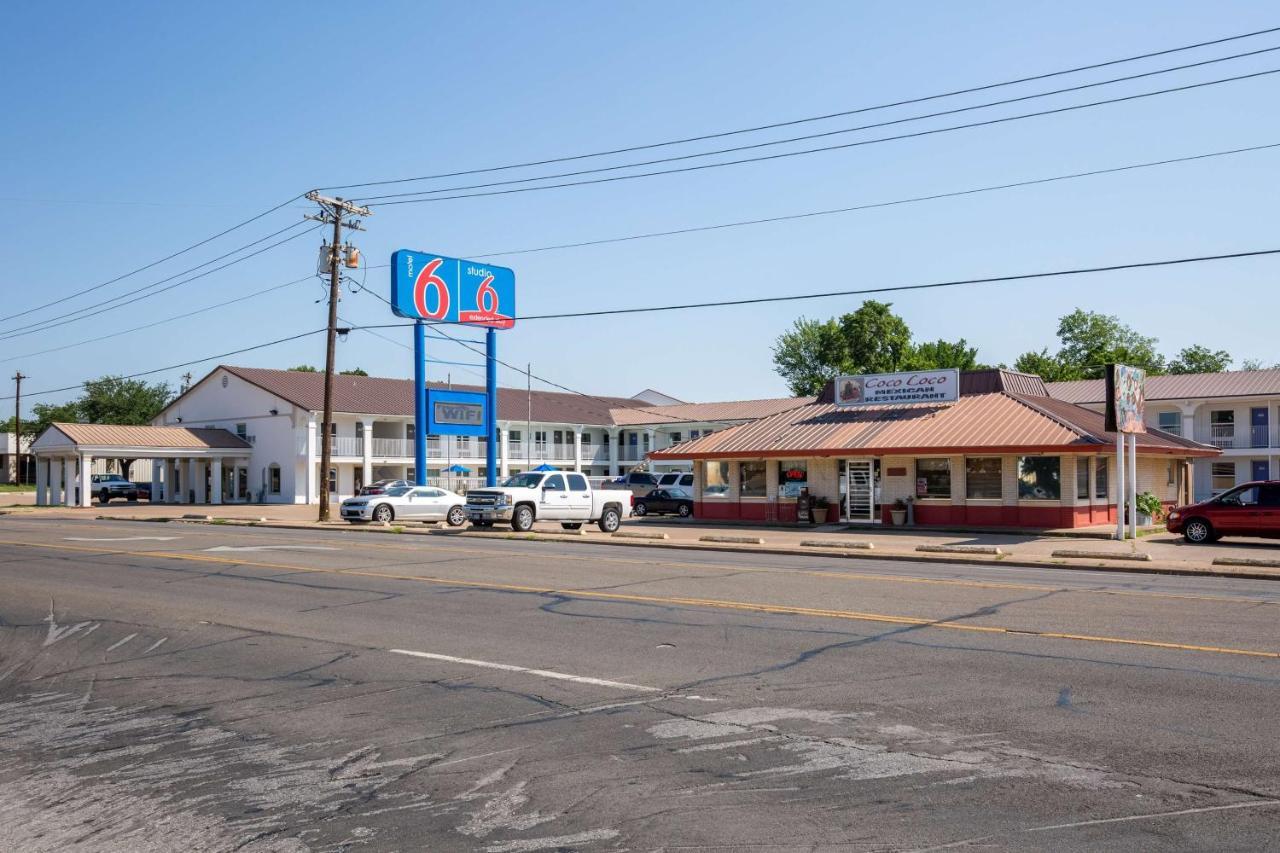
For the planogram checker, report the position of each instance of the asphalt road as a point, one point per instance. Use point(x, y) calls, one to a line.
point(183, 687)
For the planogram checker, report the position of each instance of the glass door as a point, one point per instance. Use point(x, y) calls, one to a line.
point(860, 499)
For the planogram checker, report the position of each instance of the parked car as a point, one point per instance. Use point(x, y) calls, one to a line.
point(637, 482)
point(676, 480)
point(565, 497)
point(665, 502)
point(108, 486)
point(406, 503)
point(379, 487)
point(143, 490)
point(1252, 509)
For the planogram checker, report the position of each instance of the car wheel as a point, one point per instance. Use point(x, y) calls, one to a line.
point(639, 509)
point(457, 517)
point(684, 511)
point(104, 497)
point(133, 497)
point(383, 514)
point(522, 520)
point(610, 521)
point(571, 525)
point(1197, 531)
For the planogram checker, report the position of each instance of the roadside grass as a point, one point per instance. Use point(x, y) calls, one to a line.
point(14, 487)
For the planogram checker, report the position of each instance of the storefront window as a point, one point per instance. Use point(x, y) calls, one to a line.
point(933, 478)
point(1100, 463)
point(751, 479)
point(1039, 478)
point(983, 478)
point(1082, 477)
point(792, 477)
point(716, 484)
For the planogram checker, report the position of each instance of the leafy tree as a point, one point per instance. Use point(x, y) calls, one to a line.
point(305, 368)
point(935, 355)
point(876, 340)
point(809, 355)
point(1091, 340)
point(355, 371)
point(1256, 364)
point(114, 400)
point(1047, 367)
point(1199, 359)
point(46, 413)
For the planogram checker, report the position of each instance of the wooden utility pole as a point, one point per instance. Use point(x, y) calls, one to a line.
point(17, 427)
point(332, 211)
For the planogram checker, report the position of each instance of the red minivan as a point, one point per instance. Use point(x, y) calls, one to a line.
point(1249, 510)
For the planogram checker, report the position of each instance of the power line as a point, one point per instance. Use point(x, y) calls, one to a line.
point(905, 287)
point(23, 331)
point(844, 145)
point(827, 133)
point(793, 122)
point(146, 267)
point(183, 316)
point(183, 364)
point(871, 205)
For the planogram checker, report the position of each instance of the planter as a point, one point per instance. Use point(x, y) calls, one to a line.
point(1144, 520)
point(819, 514)
point(899, 517)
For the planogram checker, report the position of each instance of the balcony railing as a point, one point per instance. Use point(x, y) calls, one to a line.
point(341, 445)
point(460, 448)
point(1226, 436)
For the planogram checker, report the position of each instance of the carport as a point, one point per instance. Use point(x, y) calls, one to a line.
point(188, 465)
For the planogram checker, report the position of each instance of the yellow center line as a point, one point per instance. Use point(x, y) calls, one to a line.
point(715, 603)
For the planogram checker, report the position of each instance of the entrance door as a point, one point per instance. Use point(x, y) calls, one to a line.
point(1261, 470)
point(1258, 428)
point(860, 502)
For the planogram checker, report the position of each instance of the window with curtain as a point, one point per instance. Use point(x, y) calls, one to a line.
point(1082, 477)
point(716, 483)
point(751, 479)
point(1040, 478)
point(935, 475)
point(984, 478)
point(1100, 463)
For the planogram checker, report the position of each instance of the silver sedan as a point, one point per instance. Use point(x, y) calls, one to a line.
point(407, 503)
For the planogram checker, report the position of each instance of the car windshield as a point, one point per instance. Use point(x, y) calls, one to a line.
point(523, 481)
point(397, 491)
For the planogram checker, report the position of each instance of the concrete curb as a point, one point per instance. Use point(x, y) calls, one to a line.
point(733, 540)
point(1101, 555)
point(1246, 561)
point(842, 553)
point(816, 543)
point(992, 550)
point(639, 534)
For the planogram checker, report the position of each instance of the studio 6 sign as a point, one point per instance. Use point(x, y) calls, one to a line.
point(450, 290)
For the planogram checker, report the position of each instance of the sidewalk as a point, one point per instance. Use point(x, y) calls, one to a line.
point(1160, 552)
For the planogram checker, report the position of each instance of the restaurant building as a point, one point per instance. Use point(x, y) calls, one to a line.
point(993, 450)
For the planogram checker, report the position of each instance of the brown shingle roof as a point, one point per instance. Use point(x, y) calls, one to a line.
point(734, 410)
point(98, 435)
point(1187, 386)
point(987, 421)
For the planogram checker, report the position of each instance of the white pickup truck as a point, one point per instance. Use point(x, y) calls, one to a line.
point(563, 496)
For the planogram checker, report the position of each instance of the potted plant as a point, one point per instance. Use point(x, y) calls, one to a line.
point(818, 506)
point(899, 512)
point(1149, 508)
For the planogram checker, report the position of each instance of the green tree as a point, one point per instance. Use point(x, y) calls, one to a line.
point(1256, 364)
point(876, 340)
point(44, 414)
point(1047, 367)
point(809, 355)
point(1091, 340)
point(355, 371)
point(1198, 359)
point(115, 400)
point(935, 355)
point(305, 368)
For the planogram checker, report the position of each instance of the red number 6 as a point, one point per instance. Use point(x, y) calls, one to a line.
point(487, 297)
point(427, 279)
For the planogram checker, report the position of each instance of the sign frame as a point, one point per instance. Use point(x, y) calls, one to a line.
point(1126, 397)
point(441, 289)
point(887, 389)
point(471, 399)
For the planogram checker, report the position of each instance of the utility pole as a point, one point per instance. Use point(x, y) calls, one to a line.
point(528, 377)
point(186, 382)
point(17, 426)
point(332, 211)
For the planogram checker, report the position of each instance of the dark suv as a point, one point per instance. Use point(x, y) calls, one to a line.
point(108, 486)
point(1249, 510)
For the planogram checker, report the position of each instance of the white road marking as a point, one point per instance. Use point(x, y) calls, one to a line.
point(120, 539)
point(119, 643)
point(55, 633)
point(544, 673)
point(271, 548)
point(1251, 804)
point(157, 644)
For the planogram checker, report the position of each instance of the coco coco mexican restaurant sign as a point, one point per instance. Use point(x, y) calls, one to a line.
point(880, 389)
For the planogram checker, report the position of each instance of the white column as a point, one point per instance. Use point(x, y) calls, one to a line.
point(172, 495)
point(86, 479)
point(577, 448)
point(68, 481)
point(653, 441)
point(155, 477)
point(215, 477)
point(313, 491)
point(504, 451)
point(195, 480)
point(614, 452)
point(42, 481)
point(1119, 485)
point(1189, 421)
point(366, 451)
point(1133, 485)
point(55, 480)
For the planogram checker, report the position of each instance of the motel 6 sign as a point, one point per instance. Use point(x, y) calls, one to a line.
point(449, 290)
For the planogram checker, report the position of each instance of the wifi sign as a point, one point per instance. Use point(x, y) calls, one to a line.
point(449, 290)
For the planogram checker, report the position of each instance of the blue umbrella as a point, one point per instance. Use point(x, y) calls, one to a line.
point(458, 469)
point(545, 467)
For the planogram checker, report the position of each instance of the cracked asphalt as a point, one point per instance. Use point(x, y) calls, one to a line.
point(192, 687)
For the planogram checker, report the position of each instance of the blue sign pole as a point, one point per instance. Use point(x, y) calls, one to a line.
point(491, 413)
point(420, 403)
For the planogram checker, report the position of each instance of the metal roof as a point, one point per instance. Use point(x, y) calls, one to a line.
point(1185, 386)
point(200, 438)
point(733, 410)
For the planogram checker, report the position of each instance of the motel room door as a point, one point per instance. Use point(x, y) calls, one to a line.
point(859, 490)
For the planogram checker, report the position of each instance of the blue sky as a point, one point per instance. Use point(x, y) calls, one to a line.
point(135, 129)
